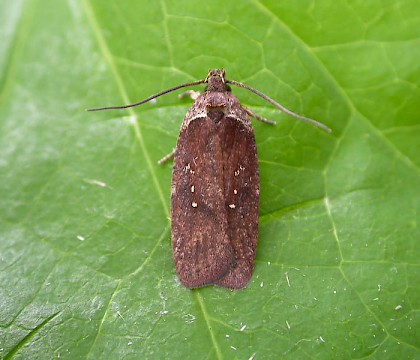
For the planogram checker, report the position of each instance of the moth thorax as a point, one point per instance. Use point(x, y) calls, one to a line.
point(216, 84)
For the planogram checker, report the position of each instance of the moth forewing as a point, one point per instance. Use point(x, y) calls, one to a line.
point(242, 190)
point(201, 247)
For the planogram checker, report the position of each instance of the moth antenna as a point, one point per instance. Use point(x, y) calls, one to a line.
point(149, 98)
point(282, 108)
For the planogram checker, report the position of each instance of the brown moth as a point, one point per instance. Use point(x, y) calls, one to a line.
point(216, 186)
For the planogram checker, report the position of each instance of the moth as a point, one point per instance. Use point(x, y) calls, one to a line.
point(216, 186)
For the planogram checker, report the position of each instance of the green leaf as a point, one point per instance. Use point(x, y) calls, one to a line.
point(86, 269)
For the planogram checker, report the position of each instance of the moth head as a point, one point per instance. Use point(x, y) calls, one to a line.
point(216, 81)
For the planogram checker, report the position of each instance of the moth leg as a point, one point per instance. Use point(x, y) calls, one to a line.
point(167, 157)
point(257, 117)
point(193, 95)
point(190, 93)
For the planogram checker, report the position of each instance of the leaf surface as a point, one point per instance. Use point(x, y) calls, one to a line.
point(86, 269)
